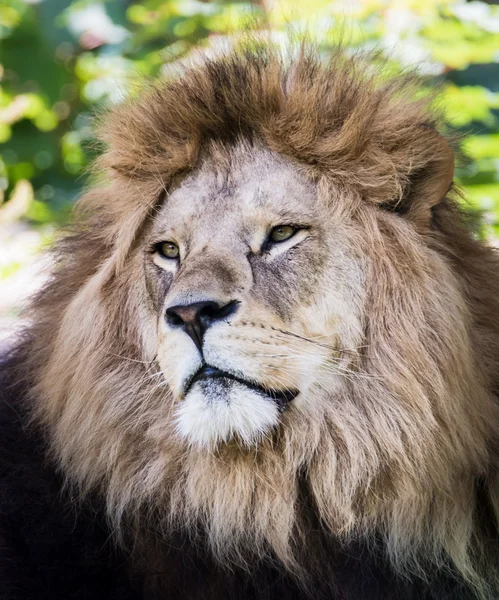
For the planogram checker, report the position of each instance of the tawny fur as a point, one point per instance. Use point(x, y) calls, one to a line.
point(400, 451)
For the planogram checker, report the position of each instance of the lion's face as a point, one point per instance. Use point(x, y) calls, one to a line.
point(256, 294)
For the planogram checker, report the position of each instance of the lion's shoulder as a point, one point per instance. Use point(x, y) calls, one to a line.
point(48, 549)
point(51, 550)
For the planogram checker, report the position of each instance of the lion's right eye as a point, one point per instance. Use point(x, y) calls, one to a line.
point(281, 233)
point(167, 250)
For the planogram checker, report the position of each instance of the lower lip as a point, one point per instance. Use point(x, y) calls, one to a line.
point(210, 373)
point(281, 398)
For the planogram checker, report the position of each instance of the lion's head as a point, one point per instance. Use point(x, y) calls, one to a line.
point(274, 290)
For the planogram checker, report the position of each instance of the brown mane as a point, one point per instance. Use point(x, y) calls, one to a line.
point(414, 476)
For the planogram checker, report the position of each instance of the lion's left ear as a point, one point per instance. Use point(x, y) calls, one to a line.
point(428, 183)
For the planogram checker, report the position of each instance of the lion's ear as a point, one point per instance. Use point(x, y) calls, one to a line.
point(428, 183)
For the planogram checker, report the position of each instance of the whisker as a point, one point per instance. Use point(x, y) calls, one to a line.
point(160, 385)
point(317, 343)
point(333, 366)
point(304, 339)
point(144, 362)
point(149, 377)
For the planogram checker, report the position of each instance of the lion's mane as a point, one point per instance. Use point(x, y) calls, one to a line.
point(407, 456)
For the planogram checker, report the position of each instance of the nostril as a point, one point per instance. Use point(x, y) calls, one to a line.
point(173, 319)
point(199, 315)
point(228, 310)
point(215, 312)
point(209, 311)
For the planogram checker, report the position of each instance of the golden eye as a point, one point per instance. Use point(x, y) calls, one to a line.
point(281, 233)
point(168, 250)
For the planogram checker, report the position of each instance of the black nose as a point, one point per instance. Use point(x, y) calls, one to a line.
point(195, 318)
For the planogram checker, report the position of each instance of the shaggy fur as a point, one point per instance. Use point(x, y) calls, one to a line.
point(379, 482)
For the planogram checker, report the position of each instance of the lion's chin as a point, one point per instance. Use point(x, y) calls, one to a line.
point(217, 411)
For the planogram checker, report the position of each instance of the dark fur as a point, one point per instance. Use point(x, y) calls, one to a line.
point(53, 549)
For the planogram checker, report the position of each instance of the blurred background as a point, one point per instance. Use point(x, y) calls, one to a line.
point(61, 62)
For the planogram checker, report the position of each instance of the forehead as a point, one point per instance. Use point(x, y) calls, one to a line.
point(241, 183)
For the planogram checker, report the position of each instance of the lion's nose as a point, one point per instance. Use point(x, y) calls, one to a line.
point(195, 318)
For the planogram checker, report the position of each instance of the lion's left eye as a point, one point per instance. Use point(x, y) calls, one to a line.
point(281, 233)
point(168, 250)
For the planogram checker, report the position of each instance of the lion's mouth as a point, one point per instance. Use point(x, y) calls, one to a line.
point(207, 373)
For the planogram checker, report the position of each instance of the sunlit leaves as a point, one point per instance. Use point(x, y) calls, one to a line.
point(59, 68)
point(469, 103)
point(11, 13)
point(483, 146)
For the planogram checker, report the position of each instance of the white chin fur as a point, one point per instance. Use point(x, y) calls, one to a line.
point(214, 412)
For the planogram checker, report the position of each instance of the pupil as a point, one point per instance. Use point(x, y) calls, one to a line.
point(169, 249)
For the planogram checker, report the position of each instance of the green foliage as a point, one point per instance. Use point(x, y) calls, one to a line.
point(62, 61)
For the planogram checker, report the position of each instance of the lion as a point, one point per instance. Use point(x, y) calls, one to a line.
point(266, 363)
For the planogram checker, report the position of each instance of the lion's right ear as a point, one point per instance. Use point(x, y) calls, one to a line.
point(428, 182)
